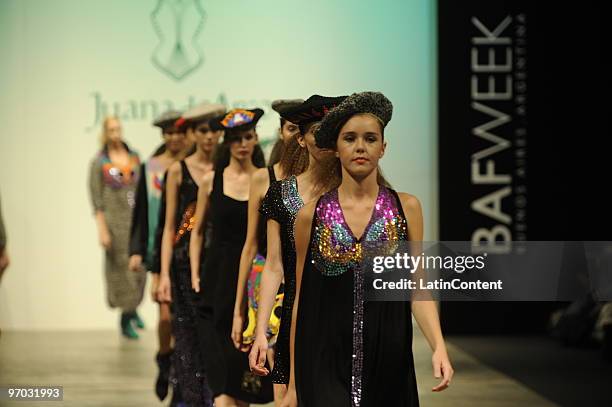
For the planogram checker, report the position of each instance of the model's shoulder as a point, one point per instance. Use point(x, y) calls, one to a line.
point(97, 159)
point(174, 168)
point(208, 177)
point(410, 203)
point(153, 160)
point(260, 176)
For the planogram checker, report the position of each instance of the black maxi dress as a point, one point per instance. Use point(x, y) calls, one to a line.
point(187, 357)
point(227, 368)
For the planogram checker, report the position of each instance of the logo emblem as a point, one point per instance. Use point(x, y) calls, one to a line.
point(178, 25)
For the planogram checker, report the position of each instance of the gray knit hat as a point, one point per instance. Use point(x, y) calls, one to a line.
point(167, 119)
point(365, 102)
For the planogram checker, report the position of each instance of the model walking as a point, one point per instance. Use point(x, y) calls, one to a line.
point(113, 177)
point(365, 357)
point(223, 198)
point(175, 277)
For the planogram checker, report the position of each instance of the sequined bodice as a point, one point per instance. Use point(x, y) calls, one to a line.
point(291, 197)
point(116, 176)
point(334, 247)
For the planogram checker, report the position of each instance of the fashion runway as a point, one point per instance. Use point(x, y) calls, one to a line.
point(98, 368)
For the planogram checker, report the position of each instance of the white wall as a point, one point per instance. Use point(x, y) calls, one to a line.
point(56, 56)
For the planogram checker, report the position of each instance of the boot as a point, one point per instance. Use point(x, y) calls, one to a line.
point(607, 343)
point(137, 320)
point(127, 329)
point(163, 377)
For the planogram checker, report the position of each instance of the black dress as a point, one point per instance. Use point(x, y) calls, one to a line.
point(187, 357)
point(281, 204)
point(349, 352)
point(227, 368)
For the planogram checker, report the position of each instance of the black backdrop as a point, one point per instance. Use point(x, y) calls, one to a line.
point(556, 122)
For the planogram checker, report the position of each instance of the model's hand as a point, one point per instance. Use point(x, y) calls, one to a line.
point(163, 290)
point(442, 369)
point(4, 261)
point(257, 357)
point(237, 327)
point(290, 399)
point(195, 283)
point(135, 263)
point(154, 287)
point(105, 239)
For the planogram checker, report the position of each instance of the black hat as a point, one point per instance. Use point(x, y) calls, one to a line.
point(374, 103)
point(282, 105)
point(237, 120)
point(167, 119)
point(312, 110)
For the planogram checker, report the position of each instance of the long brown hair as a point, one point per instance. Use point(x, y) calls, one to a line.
point(294, 160)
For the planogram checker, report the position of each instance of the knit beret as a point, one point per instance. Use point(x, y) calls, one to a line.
point(374, 103)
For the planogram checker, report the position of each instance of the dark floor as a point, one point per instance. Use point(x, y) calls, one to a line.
point(566, 376)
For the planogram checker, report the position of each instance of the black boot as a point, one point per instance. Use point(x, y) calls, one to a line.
point(607, 343)
point(161, 384)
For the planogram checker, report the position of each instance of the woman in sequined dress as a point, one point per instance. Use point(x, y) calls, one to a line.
point(113, 177)
point(175, 276)
point(364, 358)
point(223, 198)
point(280, 205)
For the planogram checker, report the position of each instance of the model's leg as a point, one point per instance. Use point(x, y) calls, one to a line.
point(163, 358)
point(279, 392)
point(226, 401)
point(164, 329)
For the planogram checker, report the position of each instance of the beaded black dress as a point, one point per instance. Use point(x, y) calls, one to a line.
point(281, 204)
point(187, 356)
point(349, 352)
point(227, 368)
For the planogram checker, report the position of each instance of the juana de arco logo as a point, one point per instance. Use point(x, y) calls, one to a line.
point(178, 25)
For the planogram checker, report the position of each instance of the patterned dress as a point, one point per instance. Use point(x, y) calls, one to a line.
point(112, 191)
point(282, 203)
point(187, 357)
point(350, 352)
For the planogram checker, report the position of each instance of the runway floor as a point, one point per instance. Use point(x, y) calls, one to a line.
point(99, 368)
